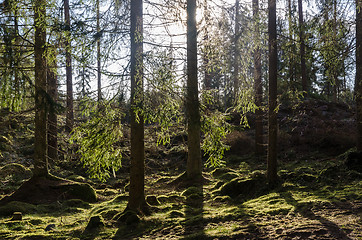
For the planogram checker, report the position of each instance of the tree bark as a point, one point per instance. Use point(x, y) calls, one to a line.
point(291, 39)
point(302, 47)
point(273, 77)
point(335, 46)
point(99, 74)
point(259, 149)
point(40, 154)
point(52, 133)
point(206, 57)
point(236, 51)
point(136, 191)
point(68, 69)
point(194, 164)
point(358, 80)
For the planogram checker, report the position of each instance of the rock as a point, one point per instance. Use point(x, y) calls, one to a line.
point(354, 161)
point(17, 216)
point(129, 217)
point(83, 191)
point(16, 206)
point(152, 200)
point(176, 214)
point(94, 223)
point(50, 227)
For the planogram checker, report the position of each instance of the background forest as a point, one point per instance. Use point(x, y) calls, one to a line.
point(188, 119)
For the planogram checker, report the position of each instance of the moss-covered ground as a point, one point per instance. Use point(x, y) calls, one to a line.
point(315, 200)
point(318, 197)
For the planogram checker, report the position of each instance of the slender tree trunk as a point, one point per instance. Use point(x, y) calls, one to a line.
point(68, 69)
point(99, 74)
point(291, 39)
point(207, 79)
point(335, 45)
point(273, 77)
point(358, 80)
point(194, 164)
point(136, 191)
point(40, 154)
point(17, 58)
point(302, 47)
point(236, 50)
point(52, 133)
point(259, 149)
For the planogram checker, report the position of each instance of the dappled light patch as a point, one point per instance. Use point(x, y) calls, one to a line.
point(270, 204)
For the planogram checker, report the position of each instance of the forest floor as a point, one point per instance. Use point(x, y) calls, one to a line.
point(319, 195)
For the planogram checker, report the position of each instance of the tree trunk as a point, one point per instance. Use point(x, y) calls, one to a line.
point(291, 39)
point(236, 51)
point(259, 149)
point(358, 80)
point(302, 47)
point(136, 191)
point(40, 154)
point(207, 78)
point(335, 46)
point(68, 69)
point(99, 74)
point(52, 133)
point(194, 164)
point(273, 124)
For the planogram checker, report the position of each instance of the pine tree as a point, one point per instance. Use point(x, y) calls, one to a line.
point(273, 77)
point(68, 69)
point(40, 154)
point(302, 47)
point(259, 150)
point(194, 164)
point(136, 190)
point(358, 81)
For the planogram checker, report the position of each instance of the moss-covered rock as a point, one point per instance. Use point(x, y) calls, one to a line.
point(83, 191)
point(152, 200)
point(246, 187)
point(94, 223)
point(77, 203)
point(228, 176)
point(15, 206)
point(18, 172)
point(192, 190)
point(128, 217)
point(176, 214)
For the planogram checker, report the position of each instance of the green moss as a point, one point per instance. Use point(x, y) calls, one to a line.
point(77, 203)
point(18, 171)
point(95, 222)
point(228, 176)
point(271, 204)
point(191, 191)
point(84, 192)
point(15, 206)
point(175, 214)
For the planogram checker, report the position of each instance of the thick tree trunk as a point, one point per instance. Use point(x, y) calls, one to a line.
point(358, 81)
point(136, 191)
point(302, 47)
point(40, 154)
point(99, 74)
point(236, 51)
point(273, 77)
point(194, 164)
point(68, 69)
point(259, 149)
point(52, 133)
